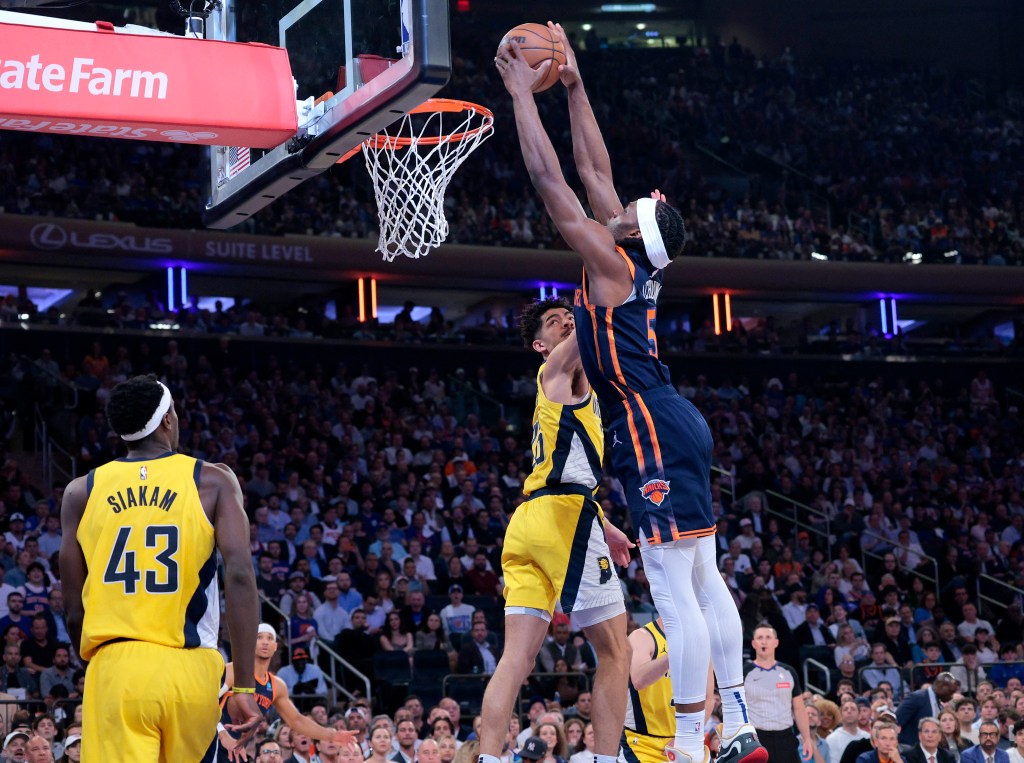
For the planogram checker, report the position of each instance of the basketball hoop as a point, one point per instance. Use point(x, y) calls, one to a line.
point(411, 164)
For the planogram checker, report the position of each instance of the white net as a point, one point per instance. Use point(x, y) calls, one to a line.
point(411, 164)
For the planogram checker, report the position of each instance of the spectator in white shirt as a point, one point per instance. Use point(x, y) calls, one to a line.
point(971, 622)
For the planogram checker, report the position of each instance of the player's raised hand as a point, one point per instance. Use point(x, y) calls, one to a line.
point(658, 196)
point(618, 544)
point(246, 717)
point(569, 72)
point(518, 76)
point(345, 738)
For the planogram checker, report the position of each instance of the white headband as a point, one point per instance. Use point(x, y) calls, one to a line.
point(653, 242)
point(267, 628)
point(155, 419)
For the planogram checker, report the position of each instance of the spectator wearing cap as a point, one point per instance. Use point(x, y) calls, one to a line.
point(747, 535)
point(72, 748)
point(896, 642)
point(812, 632)
point(924, 703)
point(16, 533)
point(534, 749)
point(297, 587)
point(301, 676)
point(456, 617)
point(15, 745)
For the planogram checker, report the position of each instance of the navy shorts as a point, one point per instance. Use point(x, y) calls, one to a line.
point(661, 452)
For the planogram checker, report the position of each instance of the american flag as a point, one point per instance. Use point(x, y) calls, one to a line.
point(238, 160)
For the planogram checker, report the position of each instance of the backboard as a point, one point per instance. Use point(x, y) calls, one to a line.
point(358, 65)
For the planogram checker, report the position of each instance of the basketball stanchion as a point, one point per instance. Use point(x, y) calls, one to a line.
point(411, 164)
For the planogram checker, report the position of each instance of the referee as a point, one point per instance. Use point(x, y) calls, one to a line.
point(774, 702)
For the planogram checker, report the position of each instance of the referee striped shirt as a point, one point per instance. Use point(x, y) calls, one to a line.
point(770, 695)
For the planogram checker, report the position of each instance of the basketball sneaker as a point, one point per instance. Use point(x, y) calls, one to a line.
point(678, 756)
point(742, 747)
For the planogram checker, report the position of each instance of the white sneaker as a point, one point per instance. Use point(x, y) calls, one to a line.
point(742, 747)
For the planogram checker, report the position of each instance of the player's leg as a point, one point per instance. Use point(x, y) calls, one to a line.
point(121, 713)
point(529, 601)
point(669, 568)
point(192, 711)
point(524, 635)
point(725, 631)
point(605, 629)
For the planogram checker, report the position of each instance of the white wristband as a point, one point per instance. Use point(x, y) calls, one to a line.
point(220, 728)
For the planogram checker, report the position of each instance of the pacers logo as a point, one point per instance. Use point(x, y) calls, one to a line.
point(655, 491)
point(606, 569)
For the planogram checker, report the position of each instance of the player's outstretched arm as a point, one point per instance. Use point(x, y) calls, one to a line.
point(588, 148)
point(73, 567)
point(306, 726)
point(591, 240)
point(232, 529)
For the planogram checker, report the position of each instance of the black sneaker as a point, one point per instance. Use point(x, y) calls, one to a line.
point(742, 747)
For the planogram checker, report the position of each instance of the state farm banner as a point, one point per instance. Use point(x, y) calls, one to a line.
point(144, 87)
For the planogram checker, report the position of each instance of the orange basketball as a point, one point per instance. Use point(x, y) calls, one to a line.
point(538, 44)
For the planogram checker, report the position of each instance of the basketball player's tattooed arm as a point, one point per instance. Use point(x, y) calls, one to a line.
point(73, 567)
point(610, 281)
point(232, 530)
point(588, 148)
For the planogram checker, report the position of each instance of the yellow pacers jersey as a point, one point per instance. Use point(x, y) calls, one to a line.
point(151, 556)
point(650, 711)
point(568, 443)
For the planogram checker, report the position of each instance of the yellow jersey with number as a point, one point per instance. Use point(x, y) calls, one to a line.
point(568, 443)
point(650, 710)
point(150, 554)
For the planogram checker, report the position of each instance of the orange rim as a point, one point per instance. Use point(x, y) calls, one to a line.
point(433, 106)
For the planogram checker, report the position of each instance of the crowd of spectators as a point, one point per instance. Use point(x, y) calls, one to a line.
point(863, 163)
point(876, 525)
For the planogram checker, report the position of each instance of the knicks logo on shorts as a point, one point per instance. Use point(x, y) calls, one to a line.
point(606, 569)
point(655, 491)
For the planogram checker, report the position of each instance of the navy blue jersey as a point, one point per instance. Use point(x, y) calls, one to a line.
point(617, 344)
point(660, 444)
point(265, 696)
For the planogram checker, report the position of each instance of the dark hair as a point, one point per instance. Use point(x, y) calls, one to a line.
point(672, 227)
point(531, 318)
point(264, 743)
point(133, 402)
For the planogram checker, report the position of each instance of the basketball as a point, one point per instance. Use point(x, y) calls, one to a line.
point(538, 44)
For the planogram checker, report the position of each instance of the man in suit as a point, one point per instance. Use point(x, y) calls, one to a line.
point(987, 750)
point(559, 647)
point(811, 632)
point(924, 703)
point(929, 734)
point(478, 656)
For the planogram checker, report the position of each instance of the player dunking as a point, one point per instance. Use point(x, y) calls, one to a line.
point(271, 692)
point(665, 456)
point(138, 564)
point(558, 548)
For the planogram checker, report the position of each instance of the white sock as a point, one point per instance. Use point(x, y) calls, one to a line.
point(604, 758)
point(734, 710)
point(487, 759)
point(690, 735)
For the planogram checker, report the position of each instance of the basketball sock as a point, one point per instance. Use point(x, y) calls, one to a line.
point(734, 710)
point(690, 735)
point(604, 758)
point(487, 759)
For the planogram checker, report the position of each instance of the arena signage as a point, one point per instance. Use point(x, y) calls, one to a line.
point(144, 87)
